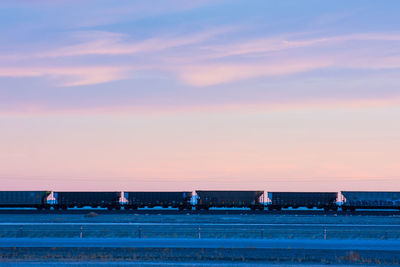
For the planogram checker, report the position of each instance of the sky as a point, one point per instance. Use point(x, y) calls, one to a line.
point(213, 94)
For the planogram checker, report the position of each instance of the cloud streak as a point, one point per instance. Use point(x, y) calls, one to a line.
point(211, 74)
point(106, 43)
point(211, 65)
point(217, 64)
point(293, 41)
point(70, 76)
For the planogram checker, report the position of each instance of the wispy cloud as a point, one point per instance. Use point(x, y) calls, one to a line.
point(214, 65)
point(280, 56)
point(211, 74)
point(70, 76)
point(108, 43)
point(199, 62)
point(293, 41)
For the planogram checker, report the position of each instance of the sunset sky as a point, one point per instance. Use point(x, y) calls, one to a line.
point(184, 95)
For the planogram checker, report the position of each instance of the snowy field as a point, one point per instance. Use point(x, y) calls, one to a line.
point(244, 226)
point(198, 239)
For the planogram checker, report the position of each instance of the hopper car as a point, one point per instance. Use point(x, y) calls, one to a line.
point(109, 200)
point(310, 200)
point(180, 200)
point(230, 199)
point(370, 200)
point(24, 199)
point(204, 200)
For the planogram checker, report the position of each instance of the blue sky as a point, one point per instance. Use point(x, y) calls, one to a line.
point(208, 69)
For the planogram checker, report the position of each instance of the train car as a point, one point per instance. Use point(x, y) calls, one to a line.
point(24, 199)
point(230, 199)
point(321, 200)
point(65, 200)
point(180, 200)
point(370, 200)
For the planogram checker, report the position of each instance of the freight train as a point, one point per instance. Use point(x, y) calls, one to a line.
point(202, 200)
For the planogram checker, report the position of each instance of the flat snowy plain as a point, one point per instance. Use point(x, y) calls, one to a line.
point(157, 239)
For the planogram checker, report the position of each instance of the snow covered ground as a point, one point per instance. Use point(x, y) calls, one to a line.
point(198, 239)
point(370, 245)
point(200, 226)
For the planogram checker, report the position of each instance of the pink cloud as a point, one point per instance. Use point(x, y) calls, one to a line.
point(293, 41)
point(203, 64)
point(106, 43)
point(70, 76)
point(209, 74)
